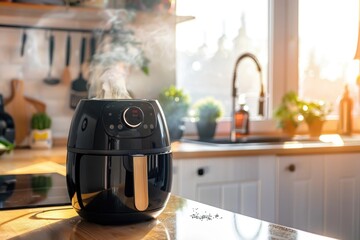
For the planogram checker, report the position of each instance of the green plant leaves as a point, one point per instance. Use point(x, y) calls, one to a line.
point(208, 109)
point(295, 110)
point(40, 121)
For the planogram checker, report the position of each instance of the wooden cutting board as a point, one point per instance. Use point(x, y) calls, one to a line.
point(22, 108)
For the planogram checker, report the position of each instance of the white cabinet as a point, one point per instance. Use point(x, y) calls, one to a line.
point(342, 196)
point(244, 185)
point(320, 194)
point(316, 193)
point(300, 192)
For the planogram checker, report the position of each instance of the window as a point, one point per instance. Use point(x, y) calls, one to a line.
point(208, 46)
point(327, 46)
point(306, 46)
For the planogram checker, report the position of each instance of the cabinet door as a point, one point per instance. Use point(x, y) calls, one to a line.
point(342, 189)
point(300, 192)
point(244, 185)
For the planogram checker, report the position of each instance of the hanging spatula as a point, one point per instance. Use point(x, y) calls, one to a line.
point(23, 43)
point(66, 76)
point(49, 79)
point(79, 88)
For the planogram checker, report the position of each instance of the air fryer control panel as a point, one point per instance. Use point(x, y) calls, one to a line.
point(129, 119)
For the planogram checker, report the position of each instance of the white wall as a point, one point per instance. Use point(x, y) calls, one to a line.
point(157, 36)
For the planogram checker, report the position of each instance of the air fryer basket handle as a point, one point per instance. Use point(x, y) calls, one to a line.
point(141, 195)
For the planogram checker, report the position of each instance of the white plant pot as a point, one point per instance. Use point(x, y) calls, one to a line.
point(41, 138)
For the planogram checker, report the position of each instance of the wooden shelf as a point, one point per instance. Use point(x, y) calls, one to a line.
point(83, 18)
point(52, 16)
point(180, 19)
point(53, 11)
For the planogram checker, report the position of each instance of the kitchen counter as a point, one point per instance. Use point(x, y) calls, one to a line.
point(34, 161)
point(330, 143)
point(181, 219)
point(184, 149)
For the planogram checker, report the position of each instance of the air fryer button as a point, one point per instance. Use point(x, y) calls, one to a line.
point(84, 124)
point(133, 117)
point(140, 122)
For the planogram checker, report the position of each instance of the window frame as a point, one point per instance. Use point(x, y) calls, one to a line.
point(283, 71)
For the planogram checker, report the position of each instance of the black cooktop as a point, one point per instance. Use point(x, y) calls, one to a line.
point(32, 190)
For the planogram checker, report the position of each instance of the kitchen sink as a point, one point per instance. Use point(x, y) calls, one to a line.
point(254, 139)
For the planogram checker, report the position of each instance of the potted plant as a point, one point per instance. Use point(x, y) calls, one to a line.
point(314, 114)
point(41, 136)
point(288, 113)
point(175, 104)
point(206, 112)
point(5, 145)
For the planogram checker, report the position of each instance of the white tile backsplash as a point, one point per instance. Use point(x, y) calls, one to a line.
point(33, 67)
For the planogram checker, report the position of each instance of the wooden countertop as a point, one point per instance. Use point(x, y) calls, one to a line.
point(181, 219)
point(34, 161)
point(331, 143)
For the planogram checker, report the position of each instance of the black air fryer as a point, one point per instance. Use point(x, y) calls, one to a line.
point(119, 162)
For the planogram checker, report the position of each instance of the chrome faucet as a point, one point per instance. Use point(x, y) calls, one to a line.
point(234, 92)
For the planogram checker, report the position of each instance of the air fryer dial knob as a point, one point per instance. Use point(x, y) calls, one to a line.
point(133, 116)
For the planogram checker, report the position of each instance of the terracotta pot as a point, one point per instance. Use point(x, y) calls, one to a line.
point(315, 127)
point(288, 128)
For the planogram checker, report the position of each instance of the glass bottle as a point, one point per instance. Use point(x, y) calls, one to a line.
point(242, 119)
point(345, 113)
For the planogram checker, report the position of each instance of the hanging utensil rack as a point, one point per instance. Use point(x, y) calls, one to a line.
point(47, 28)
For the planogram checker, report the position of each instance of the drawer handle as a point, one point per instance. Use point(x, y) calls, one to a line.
point(201, 172)
point(291, 168)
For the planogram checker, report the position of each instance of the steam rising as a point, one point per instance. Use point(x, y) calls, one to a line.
point(116, 53)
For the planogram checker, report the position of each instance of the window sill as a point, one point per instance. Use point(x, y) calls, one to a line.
point(268, 127)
